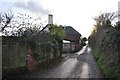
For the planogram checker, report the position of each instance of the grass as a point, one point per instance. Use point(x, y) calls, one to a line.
point(109, 72)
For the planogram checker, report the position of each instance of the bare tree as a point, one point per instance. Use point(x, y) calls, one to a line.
point(12, 25)
point(5, 20)
point(105, 19)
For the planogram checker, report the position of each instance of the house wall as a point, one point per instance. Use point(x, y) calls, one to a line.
point(66, 47)
point(71, 47)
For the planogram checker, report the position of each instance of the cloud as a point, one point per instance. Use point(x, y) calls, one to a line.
point(33, 6)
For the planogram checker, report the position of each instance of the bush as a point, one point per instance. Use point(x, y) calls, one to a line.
point(109, 72)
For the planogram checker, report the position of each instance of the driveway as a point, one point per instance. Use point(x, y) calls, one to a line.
point(74, 65)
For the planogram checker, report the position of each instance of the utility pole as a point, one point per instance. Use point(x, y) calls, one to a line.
point(119, 11)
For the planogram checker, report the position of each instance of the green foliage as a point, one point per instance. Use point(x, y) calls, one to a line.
point(104, 19)
point(105, 41)
point(57, 34)
point(109, 72)
point(50, 46)
point(56, 30)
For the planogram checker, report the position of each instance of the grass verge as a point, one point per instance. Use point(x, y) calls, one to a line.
point(108, 72)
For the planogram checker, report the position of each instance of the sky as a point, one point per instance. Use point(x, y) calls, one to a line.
point(76, 13)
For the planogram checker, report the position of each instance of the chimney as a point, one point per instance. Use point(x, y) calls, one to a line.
point(50, 19)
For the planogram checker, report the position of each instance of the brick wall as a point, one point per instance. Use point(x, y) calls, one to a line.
point(32, 62)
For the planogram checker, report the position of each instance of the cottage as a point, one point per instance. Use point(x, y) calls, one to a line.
point(71, 39)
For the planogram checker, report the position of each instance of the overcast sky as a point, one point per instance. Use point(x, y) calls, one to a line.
point(75, 13)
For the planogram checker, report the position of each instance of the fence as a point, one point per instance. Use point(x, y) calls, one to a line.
point(13, 55)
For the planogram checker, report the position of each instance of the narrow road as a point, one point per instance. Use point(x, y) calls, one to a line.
point(76, 65)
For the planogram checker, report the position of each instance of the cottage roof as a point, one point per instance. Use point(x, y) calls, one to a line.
point(71, 34)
